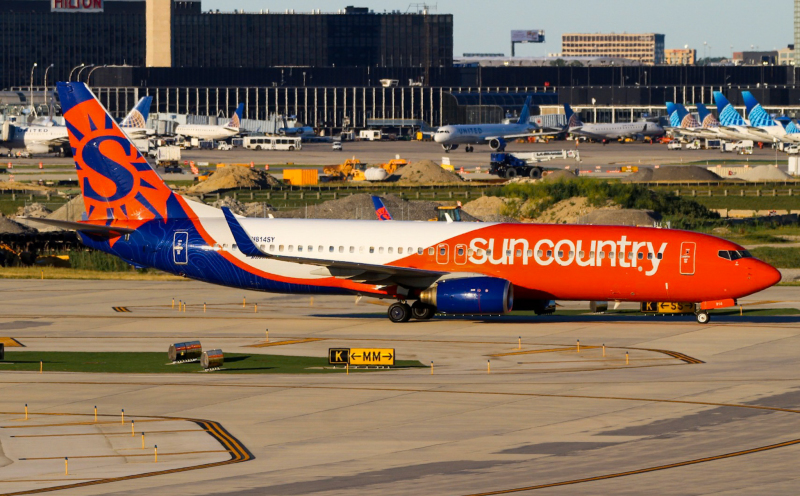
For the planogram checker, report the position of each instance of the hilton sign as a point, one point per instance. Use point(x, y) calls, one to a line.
point(84, 6)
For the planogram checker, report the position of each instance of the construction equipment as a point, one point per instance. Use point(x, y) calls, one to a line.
point(448, 213)
point(391, 166)
point(343, 171)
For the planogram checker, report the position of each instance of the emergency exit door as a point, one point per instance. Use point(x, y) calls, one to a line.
point(687, 258)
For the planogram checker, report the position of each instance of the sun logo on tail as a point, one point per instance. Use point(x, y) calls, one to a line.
point(116, 181)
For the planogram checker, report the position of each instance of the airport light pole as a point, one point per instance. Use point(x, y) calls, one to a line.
point(32, 69)
point(89, 77)
point(45, 84)
point(80, 71)
point(73, 70)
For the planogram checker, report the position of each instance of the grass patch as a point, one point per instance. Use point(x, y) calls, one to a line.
point(158, 363)
point(64, 273)
point(782, 258)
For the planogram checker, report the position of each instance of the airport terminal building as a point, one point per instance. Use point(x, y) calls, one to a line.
point(348, 68)
point(179, 34)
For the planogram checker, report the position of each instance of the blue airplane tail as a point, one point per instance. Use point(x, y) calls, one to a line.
point(236, 120)
point(755, 112)
point(137, 117)
point(728, 116)
point(572, 118)
point(380, 209)
point(525, 113)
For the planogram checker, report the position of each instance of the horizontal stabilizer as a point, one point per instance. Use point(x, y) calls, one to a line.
point(97, 229)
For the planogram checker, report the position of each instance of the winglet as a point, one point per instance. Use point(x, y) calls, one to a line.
point(243, 241)
point(380, 209)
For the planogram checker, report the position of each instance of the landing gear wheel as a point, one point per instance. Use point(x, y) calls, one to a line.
point(703, 317)
point(421, 311)
point(399, 312)
point(468, 149)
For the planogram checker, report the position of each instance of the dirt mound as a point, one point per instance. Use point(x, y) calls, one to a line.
point(73, 210)
point(558, 175)
point(254, 209)
point(234, 177)
point(9, 226)
point(360, 207)
point(620, 217)
point(37, 210)
point(485, 206)
point(673, 173)
point(764, 173)
point(569, 211)
point(427, 171)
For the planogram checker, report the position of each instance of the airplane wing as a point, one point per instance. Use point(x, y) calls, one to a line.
point(361, 272)
point(96, 229)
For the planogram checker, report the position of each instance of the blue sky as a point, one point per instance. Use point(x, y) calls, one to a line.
point(484, 26)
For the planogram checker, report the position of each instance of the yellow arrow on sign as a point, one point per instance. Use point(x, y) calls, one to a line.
point(372, 356)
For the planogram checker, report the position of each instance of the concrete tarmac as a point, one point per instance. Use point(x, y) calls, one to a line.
point(711, 409)
point(317, 155)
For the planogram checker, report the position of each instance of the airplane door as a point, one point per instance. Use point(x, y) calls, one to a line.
point(687, 258)
point(460, 255)
point(442, 254)
point(180, 248)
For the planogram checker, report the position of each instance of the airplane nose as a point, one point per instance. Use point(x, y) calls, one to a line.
point(438, 138)
point(765, 275)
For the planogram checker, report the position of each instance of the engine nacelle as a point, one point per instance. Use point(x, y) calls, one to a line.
point(470, 295)
point(498, 144)
point(37, 149)
point(447, 148)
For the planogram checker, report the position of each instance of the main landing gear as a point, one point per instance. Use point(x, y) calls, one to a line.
point(702, 317)
point(402, 312)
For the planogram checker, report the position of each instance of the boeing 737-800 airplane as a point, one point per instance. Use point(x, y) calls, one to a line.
point(452, 268)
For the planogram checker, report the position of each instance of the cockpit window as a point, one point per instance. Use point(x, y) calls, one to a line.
point(734, 254)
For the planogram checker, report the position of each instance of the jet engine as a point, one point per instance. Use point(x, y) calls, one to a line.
point(498, 144)
point(37, 149)
point(447, 148)
point(470, 295)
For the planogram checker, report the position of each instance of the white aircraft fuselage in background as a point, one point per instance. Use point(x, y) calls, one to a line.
point(618, 130)
point(206, 131)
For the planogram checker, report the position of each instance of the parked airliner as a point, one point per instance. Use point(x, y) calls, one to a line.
point(610, 131)
point(49, 137)
point(211, 132)
point(451, 268)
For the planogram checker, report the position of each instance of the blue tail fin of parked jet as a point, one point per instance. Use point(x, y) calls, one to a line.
point(380, 209)
point(572, 118)
point(137, 117)
point(755, 112)
point(707, 119)
point(525, 113)
point(728, 116)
